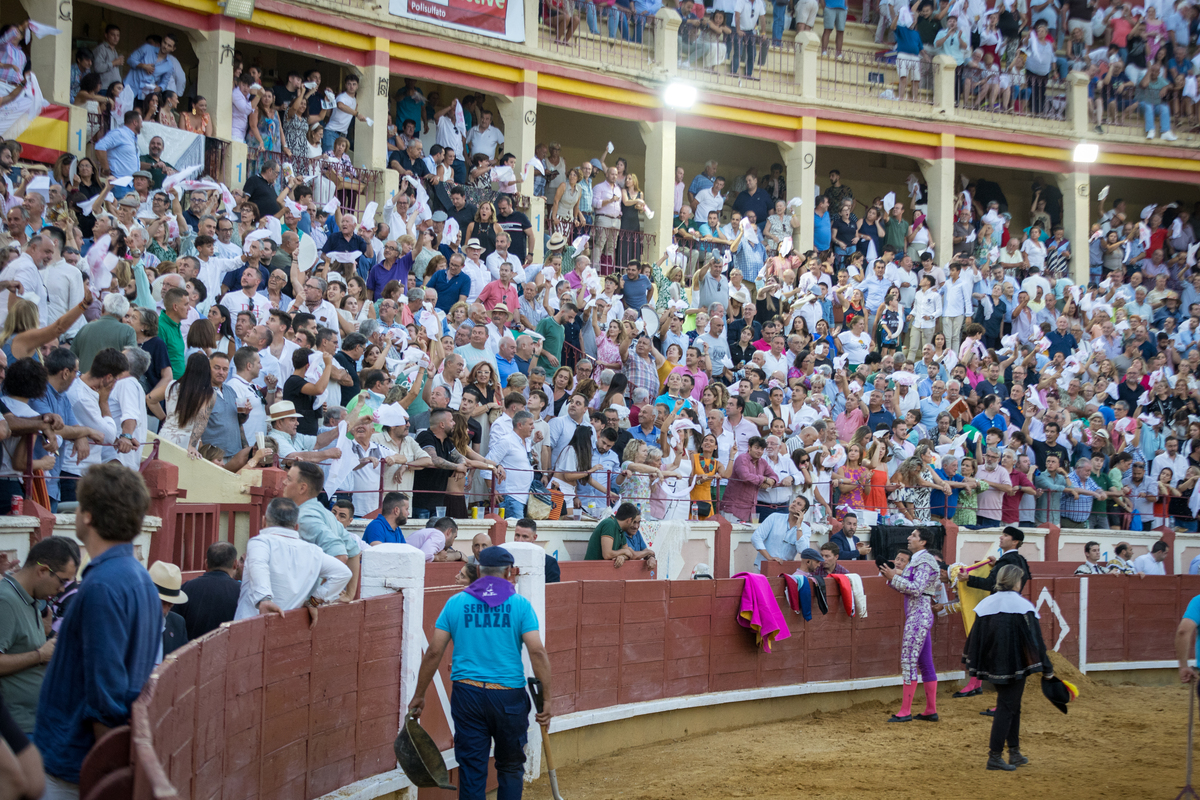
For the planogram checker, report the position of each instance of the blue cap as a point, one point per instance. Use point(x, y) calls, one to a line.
point(495, 557)
point(808, 552)
point(595, 162)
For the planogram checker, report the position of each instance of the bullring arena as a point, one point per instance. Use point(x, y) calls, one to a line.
point(659, 693)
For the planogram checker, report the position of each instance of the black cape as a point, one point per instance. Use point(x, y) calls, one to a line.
point(1005, 648)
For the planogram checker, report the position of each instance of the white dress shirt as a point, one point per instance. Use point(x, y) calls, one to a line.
point(1146, 565)
point(23, 269)
point(926, 303)
point(477, 271)
point(243, 390)
point(64, 290)
point(781, 495)
point(364, 481)
point(85, 402)
point(958, 295)
point(282, 566)
point(127, 401)
point(257, 304)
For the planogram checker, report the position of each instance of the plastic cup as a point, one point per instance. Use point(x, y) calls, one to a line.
point(578, 514)
point(439, 511)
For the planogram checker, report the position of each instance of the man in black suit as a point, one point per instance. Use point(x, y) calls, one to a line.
point(526, 531)
point(1010, 540)
point(213, 597)
point(167, 579)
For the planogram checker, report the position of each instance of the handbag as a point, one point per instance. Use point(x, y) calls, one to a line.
point(540, 501)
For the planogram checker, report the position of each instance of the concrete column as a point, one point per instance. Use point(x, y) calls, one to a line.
point(659, 184)
point(77, 131)
point(519, 117)
point(370, 141)
point(939, 175)
point(1076, 188)
point(531, 24)
point(807, 47)
point(1077, 103)
point(391, 568)
point(214, 54)
point(537, 245)
point(52, 57)
point(530, 561)
point(666, 40)
point(943, 86)
point(800, 165)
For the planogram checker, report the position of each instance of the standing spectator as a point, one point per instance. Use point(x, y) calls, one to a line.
point(999, 484)
point(106, 61)
point(213, 597)
point(1080, 492)
point(109, 330)
point(834, 20)
point(606, 201)
point(514, 473)
point(429, 485)
point(24, 649)
point(117, 152)
point(1151, 96)
point(747, 16)
point(484, 137)
point(109, 642)
point(344, 112)
point(168, 581)
point(282, 571)
point(516, 225)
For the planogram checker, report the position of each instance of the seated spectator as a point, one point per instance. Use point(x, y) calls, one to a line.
point(780, 536)
point(1152, 563)
point(526, 531)
point(1092, 565)
point(437, 541)
point(829, 562)
point(385, 528)
point(213, 597)
point(610, 538)
point(282, 571)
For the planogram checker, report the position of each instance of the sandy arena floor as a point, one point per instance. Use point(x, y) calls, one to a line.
point(1116, 742)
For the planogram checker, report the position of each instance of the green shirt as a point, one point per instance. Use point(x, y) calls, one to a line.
point(1104, 481)
point(105, 332)
point(753, 409)
point(21, 631)
point(896, 230)
point(169, 332)
point(555, 336)
point(607, 527)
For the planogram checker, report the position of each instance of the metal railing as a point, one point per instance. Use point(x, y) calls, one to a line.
point(354, 187)
point(99, 123)
point(612, 248)
point(598, 32)
point(216, 159)
point(857, 77)
point(1015, 94)
point(741, 59)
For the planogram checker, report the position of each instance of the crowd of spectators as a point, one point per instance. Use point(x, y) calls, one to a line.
point(418, 363)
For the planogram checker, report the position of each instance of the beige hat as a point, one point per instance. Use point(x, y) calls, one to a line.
point(284, 409)
point(557, 242)
point(168, 580)
point(500, 307)
point(474, 243)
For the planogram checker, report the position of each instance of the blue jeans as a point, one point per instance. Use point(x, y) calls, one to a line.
point(1164, 116)
point(328, 138)
point(778, 12)
point(614, 18)
point(514, 507)
point(743, 45)
point(481, 717)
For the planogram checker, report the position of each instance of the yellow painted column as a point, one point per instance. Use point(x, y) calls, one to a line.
point(52, 56)
point(374, 89)
point(659, 186)
point(518, 115)
point(1076, 188)
point(214, 55)
point(939, 177)
point(800, 166)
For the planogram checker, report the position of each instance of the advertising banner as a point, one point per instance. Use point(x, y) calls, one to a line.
point(499, 19)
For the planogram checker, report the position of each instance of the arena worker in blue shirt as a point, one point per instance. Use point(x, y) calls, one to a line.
point(385, 529)
point(488, 623)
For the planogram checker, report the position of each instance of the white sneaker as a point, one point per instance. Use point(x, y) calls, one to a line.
point(1150, 134)
point(1169, 136)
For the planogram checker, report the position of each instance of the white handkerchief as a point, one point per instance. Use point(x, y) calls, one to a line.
point(1148, 210)
point(344, 258)
point(41, 31)
point(649, 212)
point(391, 414)
point(370, 122)
point(1191, 254)
point(580, 243)
point(970, 237)
point(795, 201)
point(126, 182)
point(368, 217)
point(331, 206)
point(889, 200)
point(610, 147)
point(1103, 193)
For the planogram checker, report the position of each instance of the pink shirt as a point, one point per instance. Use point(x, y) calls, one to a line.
point(848, 422)
point(742, 492)
point(495, 293)
point(991, 502)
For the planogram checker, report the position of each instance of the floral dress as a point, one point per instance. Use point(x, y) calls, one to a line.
point(269, 130)
point(968, 504)
point(606, 351)
point(919, 497)
point(663, 284)
point(636, 489)
point(295, 133)
point(854, 498)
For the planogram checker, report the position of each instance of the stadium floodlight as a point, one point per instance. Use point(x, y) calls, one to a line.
point(1086, 152)
point(238, 9)
point(679, 95)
